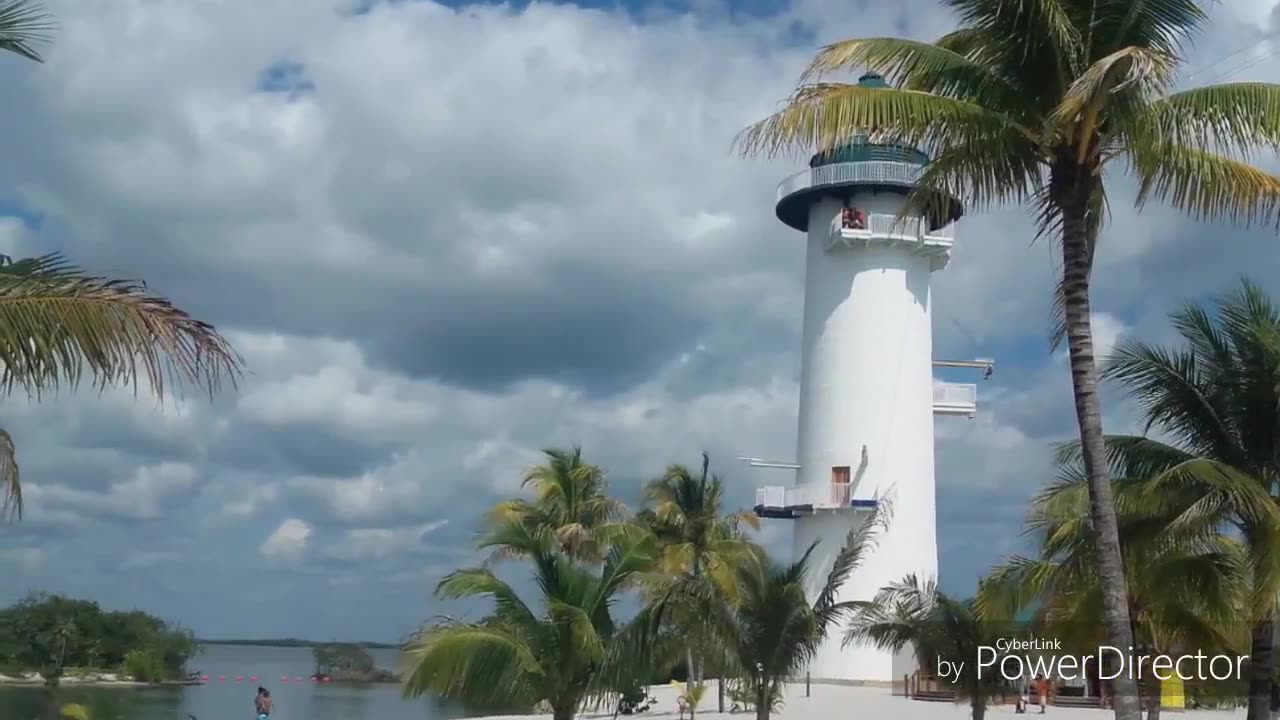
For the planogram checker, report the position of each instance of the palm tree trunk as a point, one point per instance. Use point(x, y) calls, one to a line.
point(562, 712)
point(720, 685)
point(1077, 261)
point(1262, 663)
point(977, 707)
point(763, 706)
point(1153, 698)
point(690, 681)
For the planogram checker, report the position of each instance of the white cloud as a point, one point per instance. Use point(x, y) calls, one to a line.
point(377, 543)
point(288, 541)
point(147, 495)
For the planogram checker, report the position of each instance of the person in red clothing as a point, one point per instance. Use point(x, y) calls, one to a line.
point(853, 219)
point(1043, 688)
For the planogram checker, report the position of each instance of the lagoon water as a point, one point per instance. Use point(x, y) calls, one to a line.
point(230, 700)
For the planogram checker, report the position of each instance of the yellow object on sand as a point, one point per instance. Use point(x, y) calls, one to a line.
point(74, 711)
point(1172, 693)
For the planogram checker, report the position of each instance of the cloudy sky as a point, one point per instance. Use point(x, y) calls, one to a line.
point(446, 237)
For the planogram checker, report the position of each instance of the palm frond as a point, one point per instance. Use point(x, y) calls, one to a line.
point(468, 662)
point(56, 320)
point(859, 542)
point(10, 486)
point(1006, 169)
point(915, 65)
point(1233, 118)
point(819, 116)
point(24, 27)
point(1077, 118)
point(1205, 185)
point(1163, 25)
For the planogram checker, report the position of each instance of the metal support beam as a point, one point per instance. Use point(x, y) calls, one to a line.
point(978, 363)
point(757, 462)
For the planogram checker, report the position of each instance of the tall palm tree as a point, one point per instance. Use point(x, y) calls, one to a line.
point(771, 631)
point(1188, 582)
point(571, 500)
point(915, 613)
point(702, 549)
point(517, 656)
point(1217, 401)
point(56, 321)
point(1031, 102)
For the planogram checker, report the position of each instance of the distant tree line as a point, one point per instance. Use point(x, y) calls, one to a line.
point(52, 634)
point(292, 643)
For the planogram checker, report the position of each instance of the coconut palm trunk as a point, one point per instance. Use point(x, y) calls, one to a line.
point(691, 679)
point(1074, 191)
point(1262, 664)
point(763, 705)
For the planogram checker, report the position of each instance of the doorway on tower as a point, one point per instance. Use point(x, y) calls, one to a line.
point(840, 485)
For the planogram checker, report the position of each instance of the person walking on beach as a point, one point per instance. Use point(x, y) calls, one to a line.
point(262, 703)
point(1042, 691)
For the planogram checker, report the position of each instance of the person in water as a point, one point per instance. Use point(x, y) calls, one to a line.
point(262, 703)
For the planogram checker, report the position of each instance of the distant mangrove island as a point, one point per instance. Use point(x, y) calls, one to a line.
point(54, 640)
point(50, 639)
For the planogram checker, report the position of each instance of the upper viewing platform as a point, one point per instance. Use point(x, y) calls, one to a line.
point(863, 164)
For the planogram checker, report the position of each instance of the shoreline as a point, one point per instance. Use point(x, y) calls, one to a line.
point(109, 680)
point(103, 680)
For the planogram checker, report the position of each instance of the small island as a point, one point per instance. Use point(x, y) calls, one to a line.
point(350, 663)
point(56, 640)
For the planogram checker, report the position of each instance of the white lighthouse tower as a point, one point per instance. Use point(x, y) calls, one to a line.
point(867, 393)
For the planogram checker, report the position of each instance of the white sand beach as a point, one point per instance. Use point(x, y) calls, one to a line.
point(829, 702)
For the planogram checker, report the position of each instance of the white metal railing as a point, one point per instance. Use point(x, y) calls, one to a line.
point(959, 396)
point(870, 171)
point(892, 226)
point(834, 495)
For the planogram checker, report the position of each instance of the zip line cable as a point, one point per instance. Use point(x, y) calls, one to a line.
point(1212, 68)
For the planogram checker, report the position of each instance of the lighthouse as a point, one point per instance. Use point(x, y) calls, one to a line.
point(868, 397)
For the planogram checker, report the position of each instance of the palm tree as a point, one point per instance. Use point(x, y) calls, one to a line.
point(24, 26)
point(1032, 102)
point(518, 657)
point(56, 321)
point(771, 631)
point(1188, 582)
point(1217, 401)
point(915, 613)
point(701, 552)
point(571, 500)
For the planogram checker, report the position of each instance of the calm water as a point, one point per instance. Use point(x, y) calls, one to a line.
point(229, 700)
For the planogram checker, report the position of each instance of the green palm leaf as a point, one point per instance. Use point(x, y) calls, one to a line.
point(24, 26)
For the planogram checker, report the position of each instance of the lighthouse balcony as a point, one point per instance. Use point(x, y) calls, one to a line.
point(955, 398)
point(879, 171)
point(890, 173)
point(793, 502)
point(891, 230)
